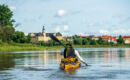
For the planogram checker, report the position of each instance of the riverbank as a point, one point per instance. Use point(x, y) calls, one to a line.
point(23, 47)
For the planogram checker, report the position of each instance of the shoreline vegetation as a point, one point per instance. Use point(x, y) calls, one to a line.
point(30, 47)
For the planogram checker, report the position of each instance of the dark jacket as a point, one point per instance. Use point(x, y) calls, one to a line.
point(70, 53)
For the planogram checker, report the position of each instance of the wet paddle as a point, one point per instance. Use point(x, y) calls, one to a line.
point(55, 39)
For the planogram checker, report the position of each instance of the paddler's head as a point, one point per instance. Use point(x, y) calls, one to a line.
point(69, 44)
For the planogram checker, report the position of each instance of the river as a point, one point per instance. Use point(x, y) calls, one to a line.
point(104, 64)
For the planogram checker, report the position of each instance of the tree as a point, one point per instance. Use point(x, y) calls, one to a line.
point(50, 43)
point(77, 40)
point(120, 40)
point(1, 34)
point(7, 33)
point(100, 41)
point(93, 42)
point(19, 37)
point(27, 39)
point(6, 24)
point(5, 16)
point(85, 41)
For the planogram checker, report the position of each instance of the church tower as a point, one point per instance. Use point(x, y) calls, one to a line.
point(43, 29)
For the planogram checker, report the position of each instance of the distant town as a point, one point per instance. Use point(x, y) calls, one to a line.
point(44, 36)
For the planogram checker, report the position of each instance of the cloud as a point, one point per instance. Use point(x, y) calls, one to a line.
point(61, 12)
point(103, 31)
point(12, 8)
point(66, 27)
point(57, 29)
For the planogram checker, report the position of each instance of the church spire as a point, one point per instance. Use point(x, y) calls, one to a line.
point(43, 29)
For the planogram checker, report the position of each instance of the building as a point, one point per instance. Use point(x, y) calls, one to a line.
point(84, 36)
point(126, 39)
point(92, 37)
point(43, 36)
point(109, 39)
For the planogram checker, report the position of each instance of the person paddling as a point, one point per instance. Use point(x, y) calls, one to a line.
point(70, 52)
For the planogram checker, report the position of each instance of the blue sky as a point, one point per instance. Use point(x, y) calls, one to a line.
point(86, 17)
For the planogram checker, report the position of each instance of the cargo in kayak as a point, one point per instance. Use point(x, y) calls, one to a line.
point(69, 63)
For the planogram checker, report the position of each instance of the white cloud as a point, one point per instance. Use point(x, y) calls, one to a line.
point(66, 27)
point(103, 31)
point(12, 8)
point(61, 12)
point(57, 29)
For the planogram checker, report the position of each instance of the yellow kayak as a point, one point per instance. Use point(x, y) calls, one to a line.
point(69, 63)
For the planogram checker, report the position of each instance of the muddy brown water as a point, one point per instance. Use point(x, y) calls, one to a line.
point(104, 64)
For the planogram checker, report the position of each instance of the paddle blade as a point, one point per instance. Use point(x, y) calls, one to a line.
point(54, 38)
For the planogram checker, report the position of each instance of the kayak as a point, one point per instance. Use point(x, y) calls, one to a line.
point(69, 64)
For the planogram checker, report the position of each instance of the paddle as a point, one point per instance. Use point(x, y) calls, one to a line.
point(55, 39)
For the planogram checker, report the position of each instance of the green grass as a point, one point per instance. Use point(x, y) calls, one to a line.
point(18, 48)
point(22, 47)
point(4, 47)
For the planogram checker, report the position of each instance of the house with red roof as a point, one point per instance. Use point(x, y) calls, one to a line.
point(109, 39)
point(126, 39)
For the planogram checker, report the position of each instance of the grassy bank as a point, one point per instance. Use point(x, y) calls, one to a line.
point(23, 47)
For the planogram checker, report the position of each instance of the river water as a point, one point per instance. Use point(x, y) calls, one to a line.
point(104, 64)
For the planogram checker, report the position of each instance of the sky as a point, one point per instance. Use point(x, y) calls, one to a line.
point(70, 17)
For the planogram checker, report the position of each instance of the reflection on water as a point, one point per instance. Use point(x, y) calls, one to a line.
point(6, 61)
point(106, 63)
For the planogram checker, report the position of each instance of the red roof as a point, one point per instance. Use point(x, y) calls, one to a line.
point(126, 36)
point(109, 38)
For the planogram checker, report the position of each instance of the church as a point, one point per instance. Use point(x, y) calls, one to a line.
point(44, 36)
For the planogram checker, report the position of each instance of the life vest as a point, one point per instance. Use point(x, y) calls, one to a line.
point(69, 53)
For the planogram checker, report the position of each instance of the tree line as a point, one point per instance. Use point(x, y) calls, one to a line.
point(7, 31)
point(77, 40)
